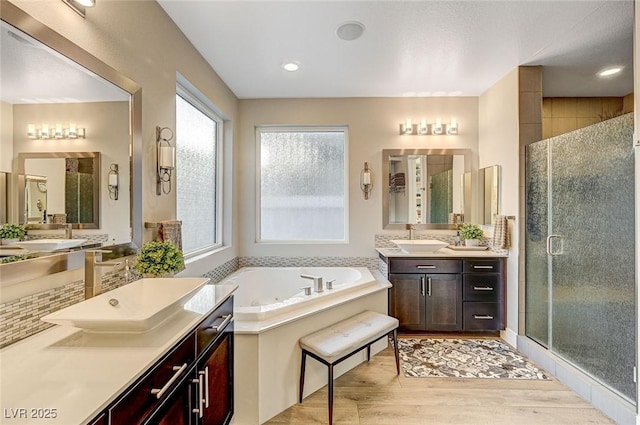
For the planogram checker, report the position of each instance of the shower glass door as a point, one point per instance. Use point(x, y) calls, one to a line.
point(584, 243)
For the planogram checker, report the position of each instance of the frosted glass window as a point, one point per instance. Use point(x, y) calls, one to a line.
point(197, 132)
point(302, 184)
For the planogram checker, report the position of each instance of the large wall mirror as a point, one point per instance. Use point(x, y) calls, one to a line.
point(481, 195)
point(49, 83)
point(422, 187)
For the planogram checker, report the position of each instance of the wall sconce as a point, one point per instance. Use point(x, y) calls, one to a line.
point(424, 128)
point(55, 132)
point(113, 182)
point(365, 180)
point(166, 160)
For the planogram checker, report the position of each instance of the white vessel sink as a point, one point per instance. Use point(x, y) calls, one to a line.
point(141, 306)
point(49, 244)
point(420, 245)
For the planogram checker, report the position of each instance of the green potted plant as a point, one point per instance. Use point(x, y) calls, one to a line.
point(471, 234)
point(10, 233)
point(156, 259)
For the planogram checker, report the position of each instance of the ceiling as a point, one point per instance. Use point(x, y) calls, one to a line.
point(409, 48)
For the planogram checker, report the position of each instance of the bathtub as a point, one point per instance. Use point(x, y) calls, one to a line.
point(272, 313)
point(267, 292)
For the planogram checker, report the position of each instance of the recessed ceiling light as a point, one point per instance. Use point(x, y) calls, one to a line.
point(291, 66)
point(610, 71)
point(350, 30)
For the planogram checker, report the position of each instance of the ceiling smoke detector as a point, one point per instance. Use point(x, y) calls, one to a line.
point(350, 31)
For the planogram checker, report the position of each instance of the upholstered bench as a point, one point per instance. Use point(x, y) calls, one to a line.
point(341, 340)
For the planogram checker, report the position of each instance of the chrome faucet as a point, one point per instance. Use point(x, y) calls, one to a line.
point(412, 230)
point(318, 284)
point(68, 231)
point(93, 261)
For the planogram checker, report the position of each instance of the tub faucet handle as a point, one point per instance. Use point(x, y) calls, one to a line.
point(307, 290)
point(330, 283)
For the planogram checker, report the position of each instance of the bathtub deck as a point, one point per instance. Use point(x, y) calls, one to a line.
point(372, 394)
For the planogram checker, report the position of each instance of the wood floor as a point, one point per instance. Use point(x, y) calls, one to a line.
point(372, 394)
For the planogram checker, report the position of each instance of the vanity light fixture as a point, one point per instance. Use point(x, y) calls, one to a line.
point(57, 131)
point(113, 182)
point(166, 160)
point(80, 6)
point(424, 128)
point(366, 183)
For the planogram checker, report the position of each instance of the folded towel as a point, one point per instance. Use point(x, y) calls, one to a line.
point(500, 232)
point(171, 230)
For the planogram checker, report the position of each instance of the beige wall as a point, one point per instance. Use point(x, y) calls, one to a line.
point(498, 144)
point(564, 114)
point(373, 125)
point(139, 40)
point(107, 131)
point(6, 136)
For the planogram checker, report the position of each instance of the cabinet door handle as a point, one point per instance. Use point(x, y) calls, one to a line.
point(429, 286)
point(224, 323)
point(483, 267)
point(482, 288)
point(159, 392)
point(422, 285)
point(425, 267)
point(205, 375)
point(482, 317)
point(199, 397)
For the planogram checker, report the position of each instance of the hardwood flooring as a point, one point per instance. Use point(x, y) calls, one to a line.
point(372, 394)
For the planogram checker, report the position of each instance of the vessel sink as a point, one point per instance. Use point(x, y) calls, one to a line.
point(134, 308)
point(420, 245)
point(49, 244)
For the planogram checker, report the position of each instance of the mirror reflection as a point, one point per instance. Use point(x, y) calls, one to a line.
point(482, 194)
point(424, 187)
point(44, 90)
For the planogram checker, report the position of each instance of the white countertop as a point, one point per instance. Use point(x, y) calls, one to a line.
point(78, 373)
point(441, 253)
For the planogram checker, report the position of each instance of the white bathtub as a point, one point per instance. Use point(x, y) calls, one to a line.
point(272, 314)
point(267, 292)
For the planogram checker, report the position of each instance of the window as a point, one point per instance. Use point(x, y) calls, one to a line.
point(302, 189)
point(198, 166)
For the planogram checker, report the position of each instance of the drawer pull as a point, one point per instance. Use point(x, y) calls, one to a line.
point(482, 288)
point(482, 317)
point(224, 323)
point(483, 267)
point(425, 267)
point(160, 392)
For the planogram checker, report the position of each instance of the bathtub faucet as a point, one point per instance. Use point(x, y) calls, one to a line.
point(318, 285)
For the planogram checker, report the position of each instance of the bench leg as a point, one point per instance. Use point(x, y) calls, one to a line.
point(302, 365)
point(330, 388)
point(395, 350)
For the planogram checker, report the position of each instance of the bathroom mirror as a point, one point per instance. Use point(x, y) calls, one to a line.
point(72, 188)
point(46, 80)
point(481, 194)
point(422, 187)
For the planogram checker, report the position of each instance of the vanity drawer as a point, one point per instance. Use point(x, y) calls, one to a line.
point(479, 316)
point(489, 265)
point(214, 325)
point(134, 407)
point(424, 265)
point(481, 287)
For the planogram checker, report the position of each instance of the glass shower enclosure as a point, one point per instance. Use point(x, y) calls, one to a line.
point(580, 268)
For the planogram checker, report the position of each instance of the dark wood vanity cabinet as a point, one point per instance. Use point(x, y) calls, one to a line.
point(464, 294)
point(428, 300)
point(191, 385)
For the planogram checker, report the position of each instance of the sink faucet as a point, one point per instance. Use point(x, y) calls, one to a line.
point(93, 261)
point(318, 285)
point(412, 230)
point(68, 231)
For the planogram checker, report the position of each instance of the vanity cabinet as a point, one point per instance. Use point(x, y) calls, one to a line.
point(191, 385)
point(434, 294)
point(426, 294)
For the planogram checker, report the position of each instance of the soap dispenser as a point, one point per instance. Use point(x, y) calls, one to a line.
point(458, 238)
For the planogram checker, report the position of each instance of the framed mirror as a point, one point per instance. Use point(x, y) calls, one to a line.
point(423, 187)
point(49, 82)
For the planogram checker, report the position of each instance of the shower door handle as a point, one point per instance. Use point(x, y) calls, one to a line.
point(550, 252)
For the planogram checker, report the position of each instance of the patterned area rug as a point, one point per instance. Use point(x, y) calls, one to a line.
point(464, 358)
